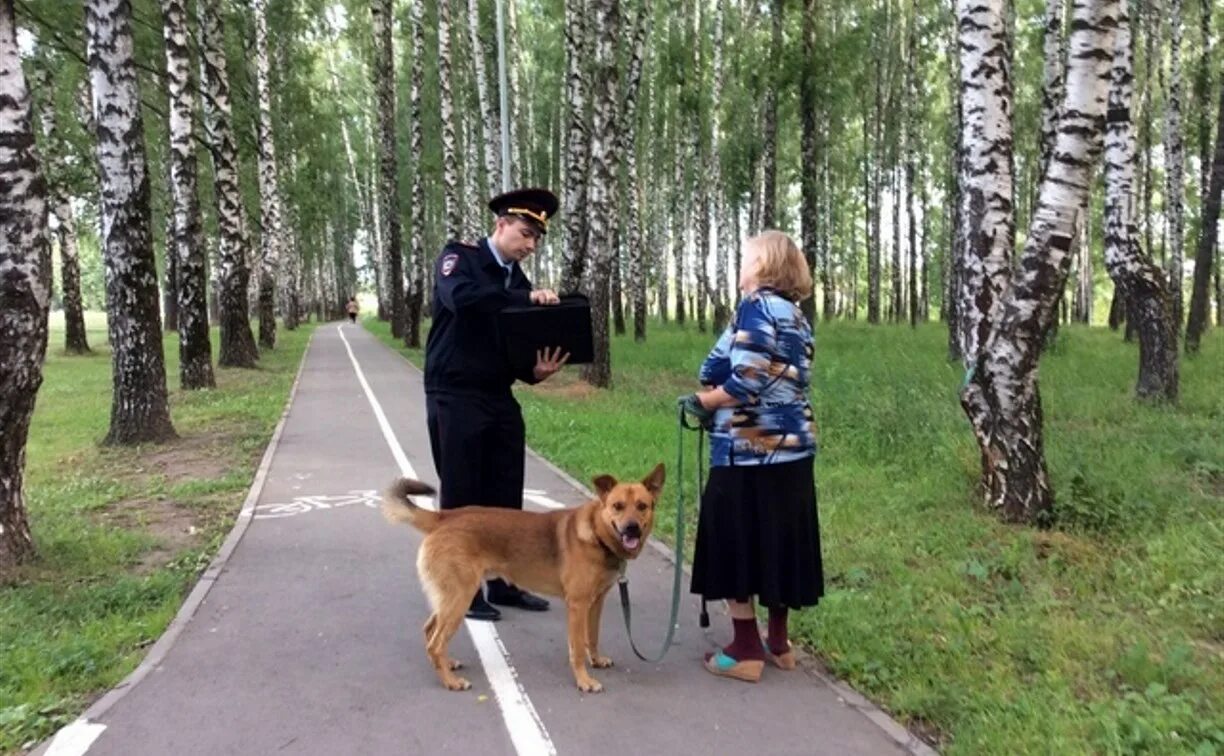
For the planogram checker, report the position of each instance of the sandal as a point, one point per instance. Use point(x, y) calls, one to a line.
point(785, 660)
point(748, 670)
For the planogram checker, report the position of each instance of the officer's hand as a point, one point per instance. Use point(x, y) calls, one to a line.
point(544, 297)
point(693, 408)
point(547, 364)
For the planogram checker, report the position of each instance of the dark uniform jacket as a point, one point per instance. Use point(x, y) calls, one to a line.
point(464, 352)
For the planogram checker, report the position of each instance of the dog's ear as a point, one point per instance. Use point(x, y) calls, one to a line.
point(604, 484)
point(654, 481)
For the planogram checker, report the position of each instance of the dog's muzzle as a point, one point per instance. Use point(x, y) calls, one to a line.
point(630, 536)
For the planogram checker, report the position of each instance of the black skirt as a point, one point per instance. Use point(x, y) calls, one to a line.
point(758, 534)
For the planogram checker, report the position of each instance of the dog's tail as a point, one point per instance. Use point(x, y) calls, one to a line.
point(397, 507)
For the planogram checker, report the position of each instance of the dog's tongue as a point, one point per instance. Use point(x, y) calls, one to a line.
point(629, 542)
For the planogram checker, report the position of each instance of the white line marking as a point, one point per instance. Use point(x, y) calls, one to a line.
point(527, 731)
point(75, 739)
point(536, 496)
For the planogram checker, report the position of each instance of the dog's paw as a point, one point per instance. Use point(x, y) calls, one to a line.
point(457, 683)
point(590, 685)
point(601, 662)
point(454, 664)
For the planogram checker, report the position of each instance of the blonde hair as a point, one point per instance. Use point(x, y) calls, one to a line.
point(781, 265)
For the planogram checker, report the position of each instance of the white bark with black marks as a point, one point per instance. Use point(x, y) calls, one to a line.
point(490, 121)
point(605, 160)
point(139, 409)
point(60, 206)
point(1052, 78)
point(269, 185)
point(25, 290)
point(416, 233)
point(388, 185)
point(1138, 280)
point(237, 340)
point(1175, 163)
point(195, 344)
point(1208, 240)
point(577, 145)
point(1003, 378)
point(450, 150)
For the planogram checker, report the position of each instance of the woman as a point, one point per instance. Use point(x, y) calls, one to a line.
point(352, 308)
point(758, 536)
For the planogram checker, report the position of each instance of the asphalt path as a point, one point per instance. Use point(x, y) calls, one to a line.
point(304, 635)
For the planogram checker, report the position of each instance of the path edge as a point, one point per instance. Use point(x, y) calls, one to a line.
point(158, 651)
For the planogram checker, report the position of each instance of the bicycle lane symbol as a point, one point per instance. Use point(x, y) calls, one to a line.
point(315, 503)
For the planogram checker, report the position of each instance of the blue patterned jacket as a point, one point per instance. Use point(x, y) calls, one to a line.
point(763, 359)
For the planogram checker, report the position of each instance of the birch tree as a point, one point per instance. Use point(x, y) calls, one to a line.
point(1175, 167)
point(25, 290)
point(1002, 381)
point(416, 233)
point(1208, 240)
point(60, 206)
point(270, 235)
point(195, 344)
point(450, 150)
point(986, 215)
point(237, 341)
point(490, 118)
point(577, 145)
point(1141, 282)
point(388, 195)
point(604, 164)
point(139, 409)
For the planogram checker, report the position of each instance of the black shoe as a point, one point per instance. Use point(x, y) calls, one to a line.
point(518, 598)
point(481, 610)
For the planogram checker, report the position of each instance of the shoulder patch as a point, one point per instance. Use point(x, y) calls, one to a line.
point(448, 263)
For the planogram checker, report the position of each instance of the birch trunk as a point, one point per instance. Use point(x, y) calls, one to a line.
point(577, 146)
point(986, 215)
point(388, 195)
point(25, 290)
point(810, 168)
point(195, 343)
point(1138, 280)
point(237, 341)
point(769, 130)
point(417, 261)
point(139, 409)
point(604, 169)
point(1175, 170)
point(269, 185)
point(450, 150)
point(632, 197)
point(1207, 240)
point(490, 121)
point(1004, 377)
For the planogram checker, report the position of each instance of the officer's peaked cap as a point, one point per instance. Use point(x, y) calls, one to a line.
point(537, 205)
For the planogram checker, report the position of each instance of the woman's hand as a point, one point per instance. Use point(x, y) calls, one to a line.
point(548, 364)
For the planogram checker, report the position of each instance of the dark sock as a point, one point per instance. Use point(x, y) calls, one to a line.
point(747, 641)
point(778, 641)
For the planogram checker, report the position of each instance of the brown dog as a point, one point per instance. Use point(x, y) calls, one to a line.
point(572, 553)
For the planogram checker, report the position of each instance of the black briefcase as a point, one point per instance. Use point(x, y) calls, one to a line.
point(527, 329)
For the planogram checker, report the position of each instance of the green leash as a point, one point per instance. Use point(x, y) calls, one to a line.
point(678, 557)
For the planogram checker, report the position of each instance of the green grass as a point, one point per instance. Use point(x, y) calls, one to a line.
point(1105, 635)
point(121, 534)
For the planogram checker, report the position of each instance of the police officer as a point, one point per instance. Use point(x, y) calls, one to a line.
point(475, 425)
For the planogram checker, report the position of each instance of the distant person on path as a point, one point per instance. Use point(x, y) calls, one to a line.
point(476, 427)
point(758, 533)
point(352, 308)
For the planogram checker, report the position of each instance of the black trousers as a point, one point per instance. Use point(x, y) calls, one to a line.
point(479, 449)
